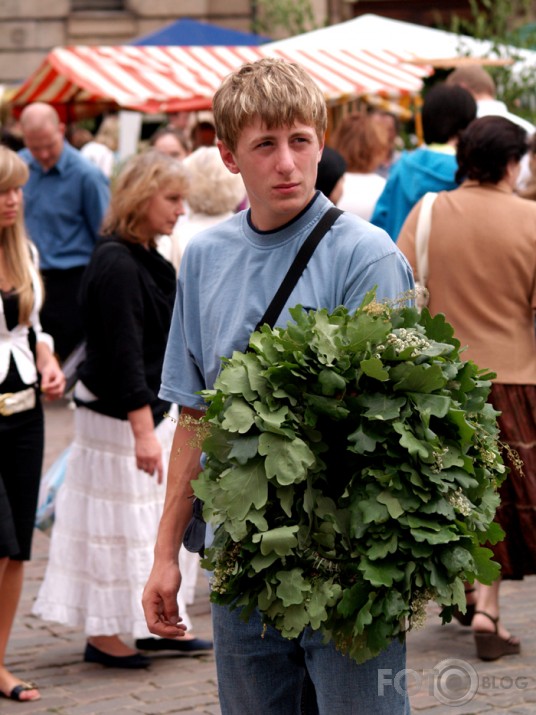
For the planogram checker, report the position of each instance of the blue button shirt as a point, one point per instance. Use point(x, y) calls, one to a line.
point(64, 208)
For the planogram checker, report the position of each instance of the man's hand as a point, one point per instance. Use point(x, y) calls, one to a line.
point(160, 602)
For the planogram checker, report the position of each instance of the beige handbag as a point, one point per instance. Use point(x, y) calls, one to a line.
point(422, 237)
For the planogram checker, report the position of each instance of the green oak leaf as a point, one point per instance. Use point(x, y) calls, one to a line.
point(418, 378)
point(238, 417)
point(245, 487)
point(361, 442)
point(286, 461)
point(380, 573)
point(281, 540)
point(292, 587)
point(392, 503)
point(373, 367)
point(244, 449)
point(331, 382)
point(410, 441)
point(434, 405)
point(381, 407)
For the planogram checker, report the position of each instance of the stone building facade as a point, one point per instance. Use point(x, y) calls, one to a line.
point(29, 29)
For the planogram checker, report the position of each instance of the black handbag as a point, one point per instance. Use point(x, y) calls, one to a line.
point(194, 536)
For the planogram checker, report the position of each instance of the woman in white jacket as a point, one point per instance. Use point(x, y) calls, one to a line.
point(27, 366)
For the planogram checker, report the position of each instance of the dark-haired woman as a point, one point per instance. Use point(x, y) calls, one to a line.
point(482, 276)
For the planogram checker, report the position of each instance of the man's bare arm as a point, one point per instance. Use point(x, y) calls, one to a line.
point(160, 593)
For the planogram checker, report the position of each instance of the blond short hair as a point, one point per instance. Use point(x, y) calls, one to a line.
point(278, 92)
point(137, 182)
point(213, 188)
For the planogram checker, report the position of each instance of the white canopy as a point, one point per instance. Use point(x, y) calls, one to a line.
point(374, 32)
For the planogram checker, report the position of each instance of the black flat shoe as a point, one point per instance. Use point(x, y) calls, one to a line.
point(136, 660)
point(465, 619)
point(176, 644)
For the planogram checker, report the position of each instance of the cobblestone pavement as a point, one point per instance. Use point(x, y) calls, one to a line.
point(445, 676)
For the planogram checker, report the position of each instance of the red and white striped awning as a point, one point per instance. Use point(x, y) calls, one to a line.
point(167, 79)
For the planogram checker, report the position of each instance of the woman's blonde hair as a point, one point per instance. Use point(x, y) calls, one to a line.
point(137, 182)
point(279, 93)
point(13, 239)
point(213, 188)
point(362, 142)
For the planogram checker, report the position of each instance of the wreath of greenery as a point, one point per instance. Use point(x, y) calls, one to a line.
point(352, 473)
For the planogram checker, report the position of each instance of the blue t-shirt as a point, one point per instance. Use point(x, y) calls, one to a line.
point(230, 273)
point(64, 208)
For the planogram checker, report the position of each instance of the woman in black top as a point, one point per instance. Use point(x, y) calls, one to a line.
point(108, 508)
point(26, 359)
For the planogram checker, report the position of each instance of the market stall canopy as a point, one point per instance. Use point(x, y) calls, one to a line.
point(428, 45)
point(192, 32)
point(82, 81)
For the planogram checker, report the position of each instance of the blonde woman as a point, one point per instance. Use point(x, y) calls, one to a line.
point(102, 151)
point(214, 195)
point(108, 507)
point(27, 366)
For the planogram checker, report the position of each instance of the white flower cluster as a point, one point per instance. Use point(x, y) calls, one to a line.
point(225, 568)
point(490, 456)
point(379, 351)
point(402, 338)
point(460, 502)
point(438, 460)
point(418, 604)
point(376, 309)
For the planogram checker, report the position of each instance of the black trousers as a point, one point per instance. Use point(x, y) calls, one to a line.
point(60, 314)
point(21, 460)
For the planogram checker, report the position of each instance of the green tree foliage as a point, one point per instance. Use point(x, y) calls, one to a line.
point(294, 17)
point(506, 25)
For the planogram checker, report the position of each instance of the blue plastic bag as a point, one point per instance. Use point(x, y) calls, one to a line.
point(50, 483)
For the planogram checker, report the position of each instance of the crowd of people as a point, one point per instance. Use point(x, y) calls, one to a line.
point(161, 265)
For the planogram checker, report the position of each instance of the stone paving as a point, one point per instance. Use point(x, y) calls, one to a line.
point(444, 674)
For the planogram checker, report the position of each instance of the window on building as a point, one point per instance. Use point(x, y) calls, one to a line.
point(102, 5)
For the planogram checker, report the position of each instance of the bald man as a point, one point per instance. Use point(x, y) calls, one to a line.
point(65, 200)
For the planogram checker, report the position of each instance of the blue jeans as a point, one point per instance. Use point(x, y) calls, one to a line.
point(263, 674)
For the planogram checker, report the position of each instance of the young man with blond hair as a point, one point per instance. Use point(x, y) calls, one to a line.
point(271, 119)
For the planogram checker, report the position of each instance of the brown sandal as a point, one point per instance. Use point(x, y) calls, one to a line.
point(490, 645)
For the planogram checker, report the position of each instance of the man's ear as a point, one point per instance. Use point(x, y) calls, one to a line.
point(228, 158)
point(321, 146)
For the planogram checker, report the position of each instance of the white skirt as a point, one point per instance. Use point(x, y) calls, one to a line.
point(106, 521)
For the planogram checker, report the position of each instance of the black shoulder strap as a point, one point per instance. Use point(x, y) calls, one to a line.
point(298, 266)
